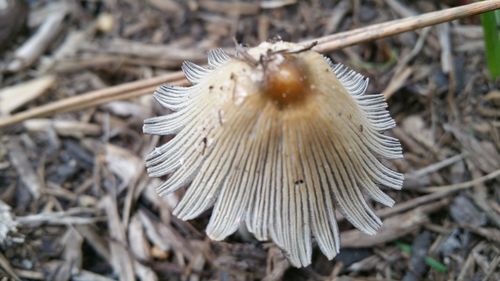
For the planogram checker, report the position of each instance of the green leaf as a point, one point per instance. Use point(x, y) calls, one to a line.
point(436, 265)
point(491, 28)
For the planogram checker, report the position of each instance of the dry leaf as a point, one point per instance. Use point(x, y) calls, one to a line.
point(14, 97)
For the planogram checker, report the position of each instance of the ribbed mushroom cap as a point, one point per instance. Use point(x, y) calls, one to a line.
point(277, 139)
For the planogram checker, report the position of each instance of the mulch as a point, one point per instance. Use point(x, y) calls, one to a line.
point(76, 203)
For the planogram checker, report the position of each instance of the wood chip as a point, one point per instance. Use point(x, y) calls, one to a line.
point(85, 275)
point(95, 240)
point(38, 43)
point(168, 6)
point(123, 163)
point(164, 235)
point(493, 97)
point(11, 98)
point(274, 4)
point(120, 257)
point(67, 128)
point(137, 239)
point(393, 227)
point(444, 40)
point(397, 82)
point(173, 53)
point(5, 266)
point(72, 254)
point(230, 8)
point(27, 174)
point(7, 223)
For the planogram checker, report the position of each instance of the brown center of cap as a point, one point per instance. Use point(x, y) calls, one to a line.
point(285, 82)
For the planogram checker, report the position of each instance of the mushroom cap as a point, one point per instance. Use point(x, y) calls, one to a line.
point(277, 139)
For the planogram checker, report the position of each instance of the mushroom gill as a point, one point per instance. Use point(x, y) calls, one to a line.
point(277, 138)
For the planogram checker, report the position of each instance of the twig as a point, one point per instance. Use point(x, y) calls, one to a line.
point(464, 185)
point(445, 41)
point(325, 44)
point(35, 46)
point(5, 265)
point(390, 28)
point(469, 262)
point(393, 228)
point(414, 52)
point(121, 260)
point(436, 193)
point(397, 81)
point(400, 8)
point(436, 166)
point(19, 159)
point(97, 97)
point(341, 10)
point(490, 233)
point(491, 269)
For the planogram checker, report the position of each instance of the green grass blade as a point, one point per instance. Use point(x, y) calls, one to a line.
point(433, 263)
point(491, 27)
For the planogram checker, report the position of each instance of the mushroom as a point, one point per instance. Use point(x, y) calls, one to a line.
point(278, 138)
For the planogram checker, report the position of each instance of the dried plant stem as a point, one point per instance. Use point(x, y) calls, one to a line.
point(435, 193)
point(325, 44)
point(390, 28)
point(97, 97)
